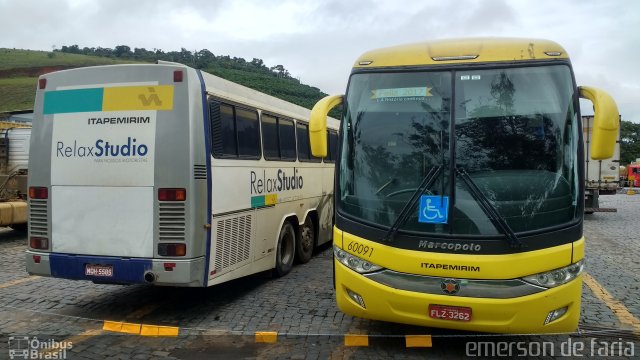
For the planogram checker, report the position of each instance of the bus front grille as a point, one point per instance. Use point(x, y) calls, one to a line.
point(38, 218)
point(172, 221)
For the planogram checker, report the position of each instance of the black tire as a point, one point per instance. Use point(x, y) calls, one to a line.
point(285, 252)
point(305, 241)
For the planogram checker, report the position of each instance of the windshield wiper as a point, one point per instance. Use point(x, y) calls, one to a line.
point(426, 183)
point(496, 219)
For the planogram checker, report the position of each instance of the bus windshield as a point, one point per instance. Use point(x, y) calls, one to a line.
point(513, 130)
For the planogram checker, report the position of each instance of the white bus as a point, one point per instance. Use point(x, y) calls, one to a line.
point(164, 174)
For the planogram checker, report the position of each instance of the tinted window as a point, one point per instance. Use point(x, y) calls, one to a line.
point(248, 133)
point(270, 137)
point(332, 147)
point(234, 131)
point(227, 130)
point(287, 136)
point(304, 152)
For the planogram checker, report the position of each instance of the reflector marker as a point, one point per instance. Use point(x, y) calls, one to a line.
point(356, 340)
point(153, 330)
point(121, 327)
point(418, 341)
point(266, 337)
point(139, 329)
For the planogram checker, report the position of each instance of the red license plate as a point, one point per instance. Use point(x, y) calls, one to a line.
point(98, 270)
point(450, 313)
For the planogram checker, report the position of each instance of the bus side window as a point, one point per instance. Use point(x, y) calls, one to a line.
point(270, 137)
point(332, 146)
point(223, 132)
point(234, 131)
point(287, 138)
point(302, 133)
point(248, 131)
point(304, 149)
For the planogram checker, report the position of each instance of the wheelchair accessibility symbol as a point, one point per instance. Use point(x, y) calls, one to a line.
point(434, 209)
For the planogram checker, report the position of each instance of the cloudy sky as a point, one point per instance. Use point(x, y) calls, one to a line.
point(318, 40)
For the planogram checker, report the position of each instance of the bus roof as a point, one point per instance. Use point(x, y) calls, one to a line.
point(228, 90)
point(461, 51)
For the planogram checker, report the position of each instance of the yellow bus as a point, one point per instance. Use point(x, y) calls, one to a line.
point(459, 189)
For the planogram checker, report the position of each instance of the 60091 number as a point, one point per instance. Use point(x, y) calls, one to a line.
point(360, 249)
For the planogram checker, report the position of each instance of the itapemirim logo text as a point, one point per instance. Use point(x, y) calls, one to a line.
point(25, 347)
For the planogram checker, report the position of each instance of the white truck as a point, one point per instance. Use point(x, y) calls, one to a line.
point(602, 176)
point(14, 160)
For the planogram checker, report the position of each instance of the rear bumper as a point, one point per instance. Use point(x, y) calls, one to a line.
point(518, 315)
point(189, 272)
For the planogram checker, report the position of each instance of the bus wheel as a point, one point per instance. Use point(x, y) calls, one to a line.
point(286, 249)
point(305, 241)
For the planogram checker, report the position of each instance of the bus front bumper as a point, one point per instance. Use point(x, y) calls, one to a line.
point(188, 272)
point(519, 315)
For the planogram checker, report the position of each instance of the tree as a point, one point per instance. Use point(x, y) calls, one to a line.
point(629, 142)
point(122, 51)
point(280, 71)
point(257, 63)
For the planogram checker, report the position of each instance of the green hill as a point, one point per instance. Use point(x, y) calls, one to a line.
point(19, 70)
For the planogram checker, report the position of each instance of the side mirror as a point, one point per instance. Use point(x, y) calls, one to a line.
point(318, 124)
point(605, 122)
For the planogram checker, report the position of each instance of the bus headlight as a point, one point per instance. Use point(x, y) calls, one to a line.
point(353, 262)
point(556, 277)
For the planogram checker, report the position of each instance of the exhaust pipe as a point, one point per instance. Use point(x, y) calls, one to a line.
point(149, 277)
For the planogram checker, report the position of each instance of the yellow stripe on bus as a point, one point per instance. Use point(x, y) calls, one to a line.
point(159, 97)
point(271, 199)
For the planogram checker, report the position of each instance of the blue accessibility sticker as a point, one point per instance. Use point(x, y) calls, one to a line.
point(434, 209)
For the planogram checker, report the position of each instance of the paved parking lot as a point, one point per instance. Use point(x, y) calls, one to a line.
point(222, 321)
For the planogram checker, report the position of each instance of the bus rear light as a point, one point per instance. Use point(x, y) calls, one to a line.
point(177, 76)
point(36, 259)
point(169, 266)
point(42, 83)
point(172, 194)
point(38, 192)
point(39, 243)
point(172, 250)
